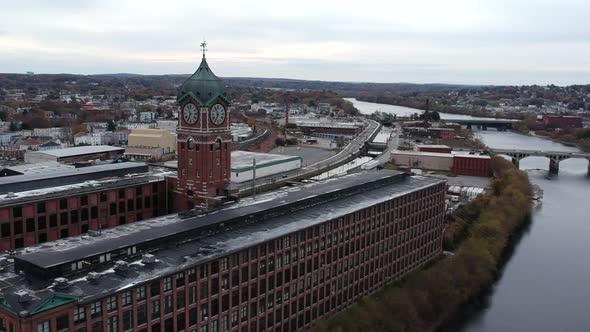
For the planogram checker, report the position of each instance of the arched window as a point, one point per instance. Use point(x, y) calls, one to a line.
point(190, 143)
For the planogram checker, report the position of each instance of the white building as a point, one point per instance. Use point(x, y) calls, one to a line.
point(54, 132)
point(242, 165)
point(169, 125)
point(100, 138)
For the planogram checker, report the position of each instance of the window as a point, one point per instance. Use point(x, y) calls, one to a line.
point(180, 279)
point(224, 263)
point(141, 293)
point(180, 299)
point(42, 221)
point(17, 212)
point(62, 323)
point(112, 303)
point(95, 309)
point(167, 284)
point(18, 227)
point(5, 230)
point(44, 327)
point(30, 225)
point(127, 320)
point(126, 298)
point(84, 200)
point(94, 212)
point(121, 193)
point(79, 314)
point(167, 304)
point(41, 207)
point(63, 220)
point(204, 313)
point(141, 314)
point(113, 324)
point(103, 197)
point(155, 309)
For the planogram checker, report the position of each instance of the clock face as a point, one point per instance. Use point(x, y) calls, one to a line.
point(190, 114)
point(217, 114)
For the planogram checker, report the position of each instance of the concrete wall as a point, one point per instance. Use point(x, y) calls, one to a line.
point(432, 161)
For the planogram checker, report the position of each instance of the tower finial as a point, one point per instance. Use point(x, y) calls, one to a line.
point(204, 47)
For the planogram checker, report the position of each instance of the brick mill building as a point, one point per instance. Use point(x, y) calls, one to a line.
point(274, 263)
point(44, 206)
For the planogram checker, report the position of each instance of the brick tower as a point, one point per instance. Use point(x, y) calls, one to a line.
point(204, 140)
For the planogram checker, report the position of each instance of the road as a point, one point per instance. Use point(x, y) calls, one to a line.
point(349, 152)
point(385, 157)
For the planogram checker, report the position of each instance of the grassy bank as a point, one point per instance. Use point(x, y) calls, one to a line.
point(432, 295)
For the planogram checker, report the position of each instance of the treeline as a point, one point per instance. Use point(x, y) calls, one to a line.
point(429, 297)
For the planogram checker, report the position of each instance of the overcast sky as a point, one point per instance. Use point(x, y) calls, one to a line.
point(419, 41)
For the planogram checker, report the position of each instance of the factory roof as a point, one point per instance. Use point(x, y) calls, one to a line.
point(69, 181)
point(419, 154)
point(433, 146)
point(243, 160)
point(80, 150)
point(466, 154)
point(179, 246)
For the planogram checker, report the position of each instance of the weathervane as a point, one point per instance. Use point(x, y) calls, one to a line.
point(204, 47)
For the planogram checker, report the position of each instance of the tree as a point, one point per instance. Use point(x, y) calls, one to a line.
point(111, 125)
point(13, 126)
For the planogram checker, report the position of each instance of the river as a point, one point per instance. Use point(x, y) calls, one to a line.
point(545, 285)
point(368, 108)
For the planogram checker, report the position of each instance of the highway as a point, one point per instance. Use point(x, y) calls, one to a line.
point(348, 153)
point(385, 157)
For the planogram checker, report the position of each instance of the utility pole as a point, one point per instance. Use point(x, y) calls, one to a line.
point(254, 178)
point(286, 116)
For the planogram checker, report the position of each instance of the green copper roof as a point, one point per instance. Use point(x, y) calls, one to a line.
point(54, 301)
point(203, 86)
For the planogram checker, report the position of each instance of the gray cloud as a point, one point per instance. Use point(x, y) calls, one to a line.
point(525, 41)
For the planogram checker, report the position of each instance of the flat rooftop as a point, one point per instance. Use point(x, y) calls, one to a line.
point(80, 150)
point(316, 202)
point(420, 154)
point(245, 159)
point(33, 186)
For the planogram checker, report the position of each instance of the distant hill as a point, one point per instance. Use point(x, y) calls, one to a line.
point(164, 82)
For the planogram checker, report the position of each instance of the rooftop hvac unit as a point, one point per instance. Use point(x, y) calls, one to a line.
point(148, 259)
point(61, 283)
point(93, 277)
point(121, 267)
point(23, 296)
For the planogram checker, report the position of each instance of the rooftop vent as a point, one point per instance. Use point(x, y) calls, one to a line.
point(93, 277)
point(121, 267)
point(23, 296)
point(61, 283)
point(93, 233)
point(148, 259)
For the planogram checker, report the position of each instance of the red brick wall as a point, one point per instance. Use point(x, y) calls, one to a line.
point(45, 220)
point(472, 166)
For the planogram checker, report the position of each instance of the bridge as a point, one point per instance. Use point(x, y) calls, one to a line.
point(554, 157)
point(484, 124)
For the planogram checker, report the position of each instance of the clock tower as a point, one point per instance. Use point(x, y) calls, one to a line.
point(204, 140)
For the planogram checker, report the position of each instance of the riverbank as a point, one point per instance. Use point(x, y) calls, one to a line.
point(428, 298)
point(420, 105)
